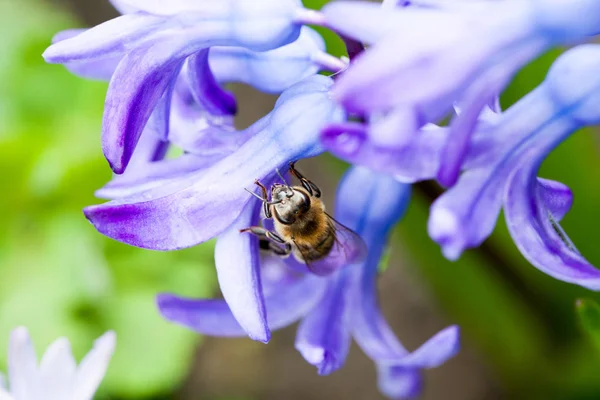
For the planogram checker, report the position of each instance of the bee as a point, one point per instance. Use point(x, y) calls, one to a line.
point(302, 227)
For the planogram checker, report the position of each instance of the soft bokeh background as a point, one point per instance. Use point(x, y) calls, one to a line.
point(59, 277)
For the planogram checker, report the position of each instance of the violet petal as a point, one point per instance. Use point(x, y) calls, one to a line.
point(399, 382)
point(323, 336)
point(205, 89)
point(418, 160)
point(238, 270)
point(437, 350)
point(213, 317)
point(200, 206)
point(136, 87)
point(109, 39)
point(556, 197)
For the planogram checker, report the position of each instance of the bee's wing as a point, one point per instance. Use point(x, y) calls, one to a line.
point(348, 248)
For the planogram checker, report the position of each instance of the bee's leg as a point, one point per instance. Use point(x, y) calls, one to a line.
point(267, 245)
point(264, 234)
point(307, 184)
point(265, 196)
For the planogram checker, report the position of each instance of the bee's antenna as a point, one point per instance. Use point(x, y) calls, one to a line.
point(261, 199)
point(290, 190)
point(282, 178)
point(255, 195)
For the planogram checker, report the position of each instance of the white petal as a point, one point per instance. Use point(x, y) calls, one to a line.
point(57, 370)
point(22, 365)
point(122, 6)
point(94, 366)
point(4, 395)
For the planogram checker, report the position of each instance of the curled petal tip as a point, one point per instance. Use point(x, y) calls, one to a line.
point(163, 304)
point(441, 347)
point(455, 330)
point(447, 177)
point(107, 341)
point(118, 165)
point(328, 365)
point(399, 383)
point(451, 253)
point(324, 360)
point(557, 197)
point(20, 334)
point(116, 151)
point(264, 337)
point(53, 55)
point(452, 339)
point(434, 352)
point(444, 228)
point(47, 55)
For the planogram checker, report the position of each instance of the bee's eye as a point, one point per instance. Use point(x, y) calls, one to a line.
point(305, 205)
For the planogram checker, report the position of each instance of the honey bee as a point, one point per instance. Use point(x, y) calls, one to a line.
point(302, 227)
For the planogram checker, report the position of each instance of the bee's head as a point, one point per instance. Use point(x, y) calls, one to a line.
point(290, 203)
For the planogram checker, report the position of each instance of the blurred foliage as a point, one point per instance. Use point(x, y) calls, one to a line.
point(58, 276)
point(589, 317)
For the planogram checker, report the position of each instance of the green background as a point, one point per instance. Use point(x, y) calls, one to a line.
point(59, 277)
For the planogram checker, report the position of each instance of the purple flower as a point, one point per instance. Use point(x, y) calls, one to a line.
point(190, 207)
point(152, 43)
point(424, 59)
point(335, 308)
point(190, 123)
point(500, 169)
point(505, 174)
point(270, 71)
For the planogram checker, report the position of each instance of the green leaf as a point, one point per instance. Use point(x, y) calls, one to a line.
point(151, 355)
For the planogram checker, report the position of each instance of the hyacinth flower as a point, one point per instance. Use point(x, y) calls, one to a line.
point(412, 75)
point(189, 122)
point(57, 377)
point(204, 137)
point(153, 41)
point(500, 169)
point(505, 174)
point(212, 202)
point(334, 308)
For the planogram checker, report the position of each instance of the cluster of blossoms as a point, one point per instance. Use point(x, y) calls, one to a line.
point(411, 64)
